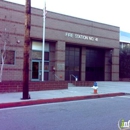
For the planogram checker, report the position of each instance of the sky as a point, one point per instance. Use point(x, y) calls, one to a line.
point(113, 12)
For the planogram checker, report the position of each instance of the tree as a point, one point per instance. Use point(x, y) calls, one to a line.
point(26, 49)
point(4, 41)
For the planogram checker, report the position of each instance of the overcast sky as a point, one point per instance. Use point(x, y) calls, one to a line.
point(113, 12)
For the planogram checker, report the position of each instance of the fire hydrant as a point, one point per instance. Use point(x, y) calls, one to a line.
point(95, 88)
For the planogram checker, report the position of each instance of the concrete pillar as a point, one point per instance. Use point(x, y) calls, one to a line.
point(60, 60)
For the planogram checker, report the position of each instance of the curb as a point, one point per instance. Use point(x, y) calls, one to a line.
point(54, 100)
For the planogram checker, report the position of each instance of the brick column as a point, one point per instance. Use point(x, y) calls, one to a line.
point(83, 61)
point(112, 65)
point(115, 65)
point(60, 60)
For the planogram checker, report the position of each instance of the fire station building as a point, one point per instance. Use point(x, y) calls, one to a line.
point(74, 47)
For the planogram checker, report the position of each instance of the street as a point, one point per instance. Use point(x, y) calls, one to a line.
point(94, 114)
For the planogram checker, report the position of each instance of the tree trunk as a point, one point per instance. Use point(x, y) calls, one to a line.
point(26, 50)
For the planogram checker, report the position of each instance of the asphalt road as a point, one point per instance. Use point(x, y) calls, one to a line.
point(94, 114)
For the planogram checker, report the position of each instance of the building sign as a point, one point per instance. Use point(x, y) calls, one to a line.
point(79, 36)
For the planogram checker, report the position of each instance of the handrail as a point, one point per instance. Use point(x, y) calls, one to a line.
point(56, 76)
point(76, 79)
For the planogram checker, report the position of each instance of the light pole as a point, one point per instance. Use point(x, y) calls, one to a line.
point(43, 41)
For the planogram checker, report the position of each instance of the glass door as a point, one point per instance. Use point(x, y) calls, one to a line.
point(36, 70)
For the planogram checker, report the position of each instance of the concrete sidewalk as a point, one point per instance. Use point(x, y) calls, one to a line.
point(105, 89)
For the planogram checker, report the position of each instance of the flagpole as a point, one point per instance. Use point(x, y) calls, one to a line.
point(43, 43)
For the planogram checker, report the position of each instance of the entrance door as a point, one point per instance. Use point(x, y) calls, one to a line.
point(95, 64)
point(36, 72)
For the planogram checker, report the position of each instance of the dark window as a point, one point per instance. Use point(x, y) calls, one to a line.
point(46, 56)
point(95, 64)
point(46, 66)
point(72, 62)
point(38, 55)
point(9, 57)
point(124, 60)
point(46, 75)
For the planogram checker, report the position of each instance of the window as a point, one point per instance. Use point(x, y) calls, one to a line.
point(124, 60)
point(9, 57)
point(46, 76)
point(46, 57)
point(38, 55)
point(46, 66)
point(94, 68)
point(72, 62)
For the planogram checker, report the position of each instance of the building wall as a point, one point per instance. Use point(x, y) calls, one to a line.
point(12, 18)
point(62, 30)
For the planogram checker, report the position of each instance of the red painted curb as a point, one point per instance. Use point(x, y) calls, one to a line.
point(54, 100)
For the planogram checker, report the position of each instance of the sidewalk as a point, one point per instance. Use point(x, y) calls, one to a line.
point(105, 89)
